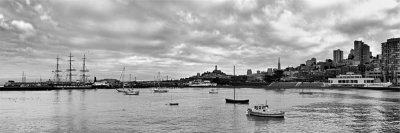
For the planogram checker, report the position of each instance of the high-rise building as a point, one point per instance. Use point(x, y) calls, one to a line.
point(279, 63)
point(362, 54)
point(337, 56)
point(249, 72)
point(390, 54)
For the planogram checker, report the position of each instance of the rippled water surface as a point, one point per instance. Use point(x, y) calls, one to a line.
point(337, 110)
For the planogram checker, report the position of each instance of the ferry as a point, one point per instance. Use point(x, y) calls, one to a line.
point(201, 83)
point(357, 81)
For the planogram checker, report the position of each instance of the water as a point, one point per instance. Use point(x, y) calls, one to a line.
point(345, 110)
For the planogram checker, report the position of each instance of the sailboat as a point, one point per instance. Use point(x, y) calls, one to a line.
point(128, 91)
point(234, 100)
point(122, 80)
point(158, 89)
point(173, 103)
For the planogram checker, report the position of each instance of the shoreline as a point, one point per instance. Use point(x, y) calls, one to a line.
point(237, 87)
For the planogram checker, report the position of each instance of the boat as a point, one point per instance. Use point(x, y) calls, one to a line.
point(70, 84)
point(128, 91)
point(159, 90)
point(131, 92)
point(262, 110)
point(120, 90)
point(213, 91)
point(302, 92)
point(201, 83)
point(234, 100)
point(352, 80)
point(173, 104)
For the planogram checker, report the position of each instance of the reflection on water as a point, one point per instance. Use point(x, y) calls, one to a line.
point(344, 110)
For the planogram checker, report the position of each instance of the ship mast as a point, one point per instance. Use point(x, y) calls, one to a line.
point(234, 89)
point(84, 70)
point(70, 67)
point(57, 70)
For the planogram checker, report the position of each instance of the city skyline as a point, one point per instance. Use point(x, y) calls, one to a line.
point(183, 38)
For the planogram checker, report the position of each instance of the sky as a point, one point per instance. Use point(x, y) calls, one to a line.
point(180, 38)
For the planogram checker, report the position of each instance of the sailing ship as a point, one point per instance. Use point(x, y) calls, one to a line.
point(82, 84)
point(234, 100)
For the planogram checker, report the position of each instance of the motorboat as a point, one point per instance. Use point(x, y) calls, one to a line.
point(173, 104)
point(213, 91)
point(120, 90)
point(263, 110)
point(159, 90)
point(131, 92)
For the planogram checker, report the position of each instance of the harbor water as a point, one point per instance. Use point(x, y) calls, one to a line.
point(102, 110)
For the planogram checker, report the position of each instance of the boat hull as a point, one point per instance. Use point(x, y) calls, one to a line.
point(244, 101)
point(160, 91)
point(272, 115)
point(131, 93)
point(173, 104)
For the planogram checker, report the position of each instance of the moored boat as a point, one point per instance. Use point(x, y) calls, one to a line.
point(212, 91)
point(173, 104)
point(159, 90)
point(234, 100)
point(244, 101)
point(263, 110)
point(131, 92)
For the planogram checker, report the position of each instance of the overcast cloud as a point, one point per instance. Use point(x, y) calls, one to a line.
point(180, 38)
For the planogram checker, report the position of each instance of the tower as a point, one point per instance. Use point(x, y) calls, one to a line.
point(216, 68)
point(279, 63)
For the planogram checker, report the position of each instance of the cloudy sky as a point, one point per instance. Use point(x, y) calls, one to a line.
point(180, 37)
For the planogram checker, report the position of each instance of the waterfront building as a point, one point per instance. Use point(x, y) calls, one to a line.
point(391, 59)
point(362, 53)
point(337, 56)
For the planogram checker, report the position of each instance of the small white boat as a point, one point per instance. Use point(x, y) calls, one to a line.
point(131, 92)
point(263, 110)
point(212, 91)
point(120, 90)
point(159, 90)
